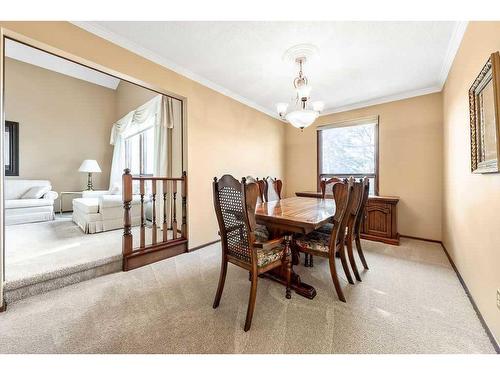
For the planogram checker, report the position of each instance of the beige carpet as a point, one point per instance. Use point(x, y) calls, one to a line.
point(410, 301)
point(35, 249)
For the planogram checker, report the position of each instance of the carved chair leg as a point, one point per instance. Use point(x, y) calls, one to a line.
point(341, 250)
point(287, 261)
point(311, 260)
point(251, 301)
point(351, 258)
point(360, 252)
point(222, 280)
point(288, 291)
point(306, 260)
point(335, 279)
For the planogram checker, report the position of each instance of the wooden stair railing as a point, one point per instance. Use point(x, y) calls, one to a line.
point(148, 252)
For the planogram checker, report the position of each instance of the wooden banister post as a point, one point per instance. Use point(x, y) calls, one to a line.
point(154, 227)
point(127, 219)
point(143, 221)
point(174, 210)
point(184, 233)
point(165, 226)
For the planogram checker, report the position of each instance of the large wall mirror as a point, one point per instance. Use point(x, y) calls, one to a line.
point(484, 102)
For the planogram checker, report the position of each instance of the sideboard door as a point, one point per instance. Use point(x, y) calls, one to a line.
point(378, 220)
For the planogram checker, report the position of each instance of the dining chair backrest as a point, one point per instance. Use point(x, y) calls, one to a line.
point(261, 184)
point(234, 203)
point(343, 195)
point(326, 185)
point(357, 196)
point(272, 190)
point(365, 189)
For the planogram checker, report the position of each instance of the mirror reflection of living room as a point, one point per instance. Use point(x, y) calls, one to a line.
point(71, 133)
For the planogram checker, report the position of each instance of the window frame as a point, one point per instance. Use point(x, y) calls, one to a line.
point(142, 152)
point(319, 150)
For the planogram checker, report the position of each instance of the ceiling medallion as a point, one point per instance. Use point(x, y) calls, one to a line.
point(301, 115)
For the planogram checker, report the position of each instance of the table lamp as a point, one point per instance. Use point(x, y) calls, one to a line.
point(89, 166)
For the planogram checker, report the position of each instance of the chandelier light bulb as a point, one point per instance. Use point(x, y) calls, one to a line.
point(281, 108)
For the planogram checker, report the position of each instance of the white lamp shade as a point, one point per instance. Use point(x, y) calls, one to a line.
point(304, 91)
point(301, 119)
point(89, 166)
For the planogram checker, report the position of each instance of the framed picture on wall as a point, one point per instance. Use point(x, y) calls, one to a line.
point(11, 150)
point(484, 107)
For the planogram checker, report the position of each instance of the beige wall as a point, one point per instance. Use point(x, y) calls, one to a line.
point(224, 136)
point(410, 152)
point(62, 121)
point(471, 202)
point(129, 97)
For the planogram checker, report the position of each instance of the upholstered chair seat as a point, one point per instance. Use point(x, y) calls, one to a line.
point(268, 256)
point(316, 241)
point(326, 229)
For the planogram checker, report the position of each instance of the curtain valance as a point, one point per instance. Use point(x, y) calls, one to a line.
point(158, 112)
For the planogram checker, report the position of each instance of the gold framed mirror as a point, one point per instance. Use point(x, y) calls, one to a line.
point(484, 107)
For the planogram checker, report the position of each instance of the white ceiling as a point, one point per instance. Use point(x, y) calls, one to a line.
point(33, 56)
point(359, 63)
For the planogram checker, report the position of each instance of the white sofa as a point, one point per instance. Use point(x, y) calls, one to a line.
point(99, 211)
point(19, 210)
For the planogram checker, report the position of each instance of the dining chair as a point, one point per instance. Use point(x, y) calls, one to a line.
point(359, 220)
point(326, 185)
point(234, 204)
point(262, 187)
point(324, 245)
point(261, 232)
point(272, 191)
point(360, 198)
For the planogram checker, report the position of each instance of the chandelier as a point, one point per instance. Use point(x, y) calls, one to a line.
point(303, 112)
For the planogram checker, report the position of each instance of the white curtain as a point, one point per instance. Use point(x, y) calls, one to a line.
point(157, 113)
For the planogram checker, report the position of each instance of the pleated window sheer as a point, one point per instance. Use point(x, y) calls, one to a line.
point(157, 113)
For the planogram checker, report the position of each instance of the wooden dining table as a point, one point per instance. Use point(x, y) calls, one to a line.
point(290, 216)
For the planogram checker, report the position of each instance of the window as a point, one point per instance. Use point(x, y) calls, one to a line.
point(349, 149)
point(139, 152)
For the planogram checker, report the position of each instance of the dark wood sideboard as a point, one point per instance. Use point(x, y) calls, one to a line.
point(380, 220)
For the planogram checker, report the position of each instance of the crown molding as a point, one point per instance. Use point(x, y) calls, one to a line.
point(451, 52)
point(452, 49)
point(385, 99)
point(146, 53)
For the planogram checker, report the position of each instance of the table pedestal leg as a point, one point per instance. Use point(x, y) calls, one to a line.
point(295, 255)
point(279, 275)
point(303, 289)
